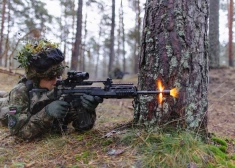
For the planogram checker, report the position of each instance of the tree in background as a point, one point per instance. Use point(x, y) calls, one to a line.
point(214, 44)
point(67, 23)
point(230, 36)
point(2, 28)
point(120, 59)
point(112, 55)
point(30, 18)
point(175, 52)
point(78, 40)
point(123, 38)
point(135, 34)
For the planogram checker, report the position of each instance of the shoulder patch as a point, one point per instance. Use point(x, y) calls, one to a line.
point(12, 120)
point(12, 110)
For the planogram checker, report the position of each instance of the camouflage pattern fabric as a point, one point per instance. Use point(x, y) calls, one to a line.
point(31, 125)
point(54, 70)
point(3, 94)
point(4, 110)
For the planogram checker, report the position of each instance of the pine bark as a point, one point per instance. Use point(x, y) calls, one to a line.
point(175, 51)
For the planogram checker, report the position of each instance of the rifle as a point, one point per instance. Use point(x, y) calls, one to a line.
point(76, 84)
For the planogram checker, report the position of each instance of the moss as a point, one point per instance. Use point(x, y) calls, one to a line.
point(164, 15)
point(219, 141)
point(155, 76)
point(185, 64)
point(233, 157)
point(143, 109)
point(165, 108)
point(169, 50)
point(156, 65)
point(194, 124)
point(181, 33)
point(217, 152)
point(173, 64)
point(149, 40)
point(223, 148)
point(190, 119)
point(177, 12)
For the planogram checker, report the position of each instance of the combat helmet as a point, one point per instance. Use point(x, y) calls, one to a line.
point(42, 59)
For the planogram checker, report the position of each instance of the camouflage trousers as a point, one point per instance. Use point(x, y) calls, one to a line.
point(3, 108)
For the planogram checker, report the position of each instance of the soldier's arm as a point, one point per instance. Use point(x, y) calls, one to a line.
point(22, 124)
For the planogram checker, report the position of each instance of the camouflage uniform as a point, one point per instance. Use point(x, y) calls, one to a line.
point(28, 118)
point(23, 124)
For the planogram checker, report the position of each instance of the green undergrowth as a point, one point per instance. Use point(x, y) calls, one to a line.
point(134, 148)
point(168, 149)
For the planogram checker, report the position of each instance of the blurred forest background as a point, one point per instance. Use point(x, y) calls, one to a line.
point(98, 36)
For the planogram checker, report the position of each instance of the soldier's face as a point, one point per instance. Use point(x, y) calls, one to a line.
point(48, 83)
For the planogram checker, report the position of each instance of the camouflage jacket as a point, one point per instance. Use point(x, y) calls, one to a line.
point(19, 121)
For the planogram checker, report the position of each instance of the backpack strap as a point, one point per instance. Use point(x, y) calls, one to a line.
point(29, 86)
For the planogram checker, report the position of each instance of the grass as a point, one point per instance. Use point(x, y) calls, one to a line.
point(179, 149)
point(155, 148)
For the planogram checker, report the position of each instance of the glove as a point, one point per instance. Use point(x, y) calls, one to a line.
point(90, 102)
point(57, 109)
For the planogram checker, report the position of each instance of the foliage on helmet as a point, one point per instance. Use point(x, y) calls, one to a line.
point(31, 51)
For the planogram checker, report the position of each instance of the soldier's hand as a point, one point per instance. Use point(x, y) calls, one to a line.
point(57, 109)
point(90, 102)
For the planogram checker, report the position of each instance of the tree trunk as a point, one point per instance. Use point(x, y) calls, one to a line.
point(98, 50)
point(123, 40)
point(83, 48)
point(174, 51)
point(214, 44)
point(137, 27)
point(78, 39)
point(111, 56)
point(117, 58)
point(2, 29)
point(230, 29)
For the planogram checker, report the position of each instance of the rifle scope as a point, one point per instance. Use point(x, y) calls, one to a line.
point(73, 75)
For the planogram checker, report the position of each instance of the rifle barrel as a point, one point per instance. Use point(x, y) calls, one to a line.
point(167, 92)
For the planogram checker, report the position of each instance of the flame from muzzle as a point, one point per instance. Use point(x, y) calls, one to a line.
point(174, 92)
point(160, 88)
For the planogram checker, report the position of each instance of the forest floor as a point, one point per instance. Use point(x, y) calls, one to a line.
point(221, 98)
point(56, 152)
